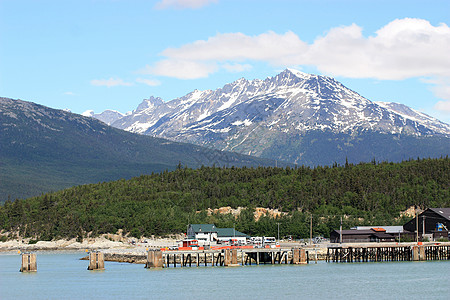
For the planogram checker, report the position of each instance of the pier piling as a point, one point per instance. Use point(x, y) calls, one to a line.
point(154, 259)
point(295, 256)
point(96, 261)
point(28, 262)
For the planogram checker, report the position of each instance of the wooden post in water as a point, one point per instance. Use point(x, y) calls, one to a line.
point(154, 259)
point(295, 256)
point(227, 258)
point(422, 253)
point(415, 253)
point(28, 262)
point(96, 261)
point(302, 256)
point(234, 258)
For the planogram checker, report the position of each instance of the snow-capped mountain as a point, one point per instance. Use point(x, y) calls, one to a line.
point(108, 116)
point(254, 116)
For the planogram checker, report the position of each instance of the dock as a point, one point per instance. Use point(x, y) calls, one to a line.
point(226, 257)
point(378, 253)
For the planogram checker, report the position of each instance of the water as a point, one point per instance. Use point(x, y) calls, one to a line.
point(64, 276)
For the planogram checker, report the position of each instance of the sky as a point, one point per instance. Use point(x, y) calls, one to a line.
point(111, 54)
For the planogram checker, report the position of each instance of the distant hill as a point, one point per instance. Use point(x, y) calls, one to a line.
point(293, 116)
point(164, 203)
point(44, 149)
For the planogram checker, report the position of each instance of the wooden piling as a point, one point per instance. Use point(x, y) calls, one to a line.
point(154, 259)
point(415, 253)
point(422, 253)
point(227, 257)
point(295, 256)
point(234, 258)
point(28, 262)
point(96, 261)
point(302, 256)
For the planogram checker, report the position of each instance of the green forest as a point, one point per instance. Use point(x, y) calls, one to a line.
point(165, 203)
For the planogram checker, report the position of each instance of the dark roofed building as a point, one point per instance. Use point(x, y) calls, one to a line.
point(202, 232)
point(432, 221)
point(227, 234)
point(361, 236)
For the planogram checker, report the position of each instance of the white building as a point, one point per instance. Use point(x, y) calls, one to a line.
point(209, 233)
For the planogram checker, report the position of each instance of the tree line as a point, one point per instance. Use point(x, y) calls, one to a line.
point(164, 203)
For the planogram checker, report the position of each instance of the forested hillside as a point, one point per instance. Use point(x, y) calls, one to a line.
point(44, 149)
point(165, 203)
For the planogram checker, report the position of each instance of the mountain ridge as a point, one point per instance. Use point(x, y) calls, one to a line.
point(45, 149)
point(292, 104)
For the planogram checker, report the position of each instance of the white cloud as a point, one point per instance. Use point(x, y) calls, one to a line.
point(181, 4)
point(443, 106)
point(404, 48)
point(150, 82)
point(181, 69)
point(110, 82)
point(69, 93)
point(270, 47)
point(441, 89)
point(235, 68)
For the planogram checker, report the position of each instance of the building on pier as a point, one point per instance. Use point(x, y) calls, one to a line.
point(231, 234)
point(434, 224)
point(209, 233)
point(361, 236)
point(204, 233)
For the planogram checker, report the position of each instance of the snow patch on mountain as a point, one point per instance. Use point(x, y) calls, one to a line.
point(292, 102)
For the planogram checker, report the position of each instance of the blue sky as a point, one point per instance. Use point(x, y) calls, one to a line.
point(111, 54)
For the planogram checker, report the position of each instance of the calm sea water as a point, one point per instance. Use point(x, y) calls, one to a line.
point(64, 276)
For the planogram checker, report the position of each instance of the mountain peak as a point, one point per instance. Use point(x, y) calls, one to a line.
point(291, 102)
point(88, 113)
point(297, 73)
point(150, 103)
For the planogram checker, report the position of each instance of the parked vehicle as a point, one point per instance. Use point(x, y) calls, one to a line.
point(269, 240)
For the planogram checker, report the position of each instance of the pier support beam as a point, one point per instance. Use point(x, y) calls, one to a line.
point(422, 253)
point(154, 259)
point(227, 258)
point(234, 257)
point(96, 261)
point(415, 253)
point(295, 256)
point(28, 262)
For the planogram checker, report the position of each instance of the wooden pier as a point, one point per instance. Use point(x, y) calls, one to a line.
point(226, 257)
point(388, 253)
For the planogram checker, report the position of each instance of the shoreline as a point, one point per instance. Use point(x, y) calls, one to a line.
point(99, 243)
point(132, 252)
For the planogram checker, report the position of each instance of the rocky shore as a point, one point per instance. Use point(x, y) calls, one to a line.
point(99, 243)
